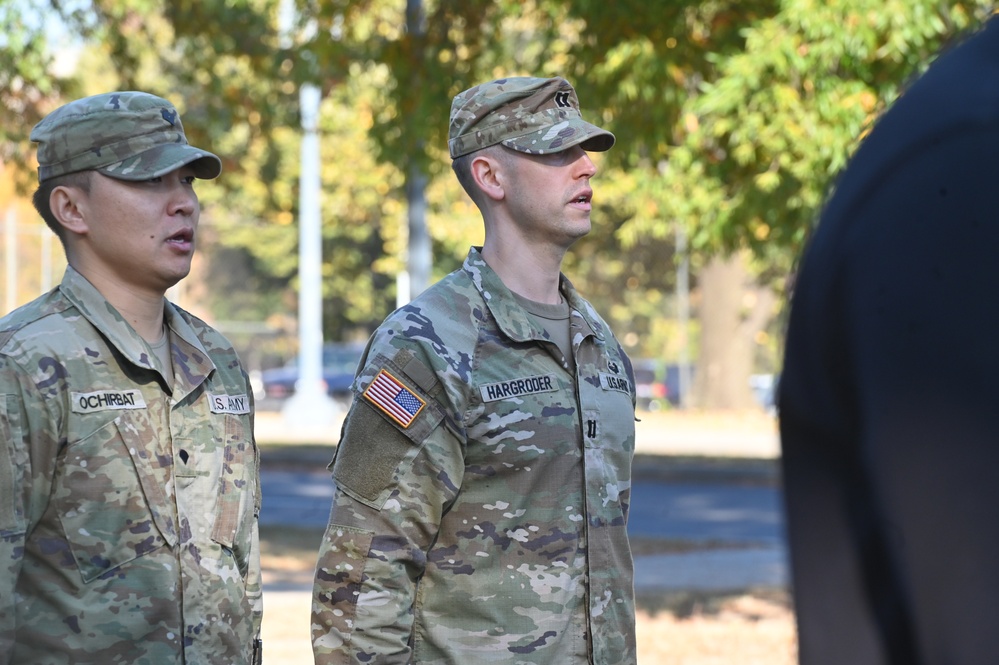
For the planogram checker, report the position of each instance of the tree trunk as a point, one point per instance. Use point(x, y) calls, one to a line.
point(731, 311)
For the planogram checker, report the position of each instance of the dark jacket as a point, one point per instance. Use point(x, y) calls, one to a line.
point(889, 399)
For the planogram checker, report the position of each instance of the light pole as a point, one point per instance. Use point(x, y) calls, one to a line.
point(683, 314)
point(310, 405)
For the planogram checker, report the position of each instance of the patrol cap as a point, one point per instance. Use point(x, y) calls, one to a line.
point(124, 135)
point(526, 114)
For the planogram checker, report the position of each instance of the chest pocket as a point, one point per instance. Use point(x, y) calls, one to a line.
point(607, 400)
point(111, 507)
point(238, 492)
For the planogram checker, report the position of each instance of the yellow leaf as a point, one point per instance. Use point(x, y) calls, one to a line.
point(690, 123)
point(767, 181)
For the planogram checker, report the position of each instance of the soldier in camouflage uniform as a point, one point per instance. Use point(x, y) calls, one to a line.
point(483, 476)
point(129, 488)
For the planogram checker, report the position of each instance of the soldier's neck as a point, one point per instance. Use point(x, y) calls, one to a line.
point(530, 272)
point(142, 308)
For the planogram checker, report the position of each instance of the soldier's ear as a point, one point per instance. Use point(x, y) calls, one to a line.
point(69, 205)
point(488, 171)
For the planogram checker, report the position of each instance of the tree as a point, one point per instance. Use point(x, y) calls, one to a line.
point(30, 83)
point(234, 80)
point(783, 118)
point(740, 115)
point(732, 119)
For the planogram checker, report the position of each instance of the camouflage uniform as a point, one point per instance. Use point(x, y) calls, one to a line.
point(129, 491)
point(489, 527)
point(128, 514)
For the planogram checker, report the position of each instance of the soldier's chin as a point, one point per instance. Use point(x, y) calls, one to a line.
point(176, 277)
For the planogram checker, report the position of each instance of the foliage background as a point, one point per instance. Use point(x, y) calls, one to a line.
point(733, 119)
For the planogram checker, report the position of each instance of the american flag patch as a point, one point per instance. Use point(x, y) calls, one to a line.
point(391, 396)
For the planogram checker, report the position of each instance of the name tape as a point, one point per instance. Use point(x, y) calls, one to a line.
point(107, 400)
point(530, 385)
point(611, 382)
point(235, 404)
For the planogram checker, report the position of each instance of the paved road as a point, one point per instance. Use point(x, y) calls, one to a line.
point(706, 513)
point(295, 498)
point(694, 535)
point(665, 433)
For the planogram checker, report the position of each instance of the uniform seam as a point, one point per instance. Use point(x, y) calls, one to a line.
point(20, 325)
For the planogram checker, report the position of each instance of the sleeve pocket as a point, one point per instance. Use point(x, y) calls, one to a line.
point(11, 515)
point(339, 574)
point(237, 486)
point(373, 445)
point(370, 451)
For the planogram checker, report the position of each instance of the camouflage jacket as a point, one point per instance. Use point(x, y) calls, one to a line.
point(128, 515)
point(482, 490)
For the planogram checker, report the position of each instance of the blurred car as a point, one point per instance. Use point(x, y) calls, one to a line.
point(764, 387)
point(650, 385)
point(339, 365)
point(657, 385)
point(674, 391)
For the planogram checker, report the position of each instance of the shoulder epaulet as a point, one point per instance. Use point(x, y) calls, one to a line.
point(198, 324)
point(187, 316)
point(6, 335)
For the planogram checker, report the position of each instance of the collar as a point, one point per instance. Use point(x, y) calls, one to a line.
point(192, 364)
point(513, 319)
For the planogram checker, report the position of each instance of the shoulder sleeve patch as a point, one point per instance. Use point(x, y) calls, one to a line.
point(394, 398)
point(386, 426)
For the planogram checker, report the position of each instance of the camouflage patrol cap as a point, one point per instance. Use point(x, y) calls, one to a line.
point(124, 135)
point(531, 115)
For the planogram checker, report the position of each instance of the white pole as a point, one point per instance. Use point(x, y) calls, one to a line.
point(402, 289)
point(419, 259)
point(310, 405)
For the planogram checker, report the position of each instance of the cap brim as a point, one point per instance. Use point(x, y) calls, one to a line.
point(550, 139)
point(164, 159)
point(601, 141)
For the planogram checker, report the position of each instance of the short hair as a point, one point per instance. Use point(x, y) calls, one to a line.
point(462, 167)
point(43, 195)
